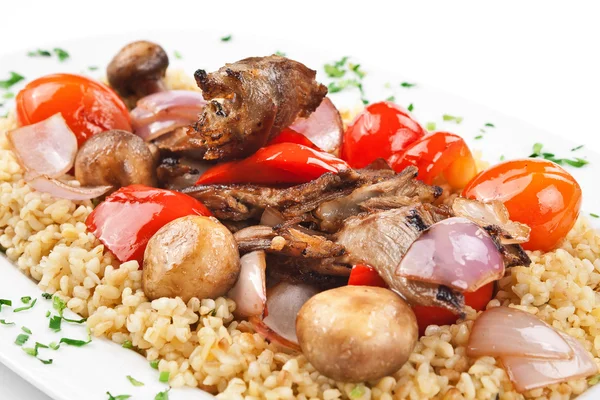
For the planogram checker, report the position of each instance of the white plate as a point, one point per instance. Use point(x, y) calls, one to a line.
point(89, 372)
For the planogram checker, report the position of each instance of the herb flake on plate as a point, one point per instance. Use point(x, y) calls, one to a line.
point(226, 38)
point(39, 53)
point(118, 397)
point(21, 339)
point(26, 330)
point(164, 376)
point(478, 137)
point(407, 84)
point(8, 95)
point(177, 55)
point(280, 53)
point(27, 307)
point(538, 153)
point(12, 80)
point(594, 215)
point(154, 364)
point(5, 302)
point(61, 54)
point(46, 296)
point(134, 381)
point(489, 125)
point(55, 323)
point(127, 344)
point(5, 322)
point(391, 98)
point(410, 107)
point(430, 126)
point(162, 395)
point(577, 148)
point(452, 118)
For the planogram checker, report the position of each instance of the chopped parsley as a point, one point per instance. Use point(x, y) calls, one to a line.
point(430, 126)
point(5, 302)
point(537, 152)
point(93, 68)
point(12, 80)
point(410, 107)
point(47, 314)
point(407, 85)
point(118, 397)
point(164, 377)
point(213, 312)
point(54, 346)
point(594, 380)
point(177, 55)
point(55, 323)
point(61, 54)
point(478, 137)
point(21, 339)
point(357, 392)
point(8, 95)
point(5, 322)
point(448, 117)
point(280, 53)
point(577, 148)
point(502, 157)
point(46, 296)
point(387, 85)
point(26, 330)
point(27, 307)
point(75, 321)
point(127, 344)
point(26, 299)
point(594, 215)
point(336, 70)
point(391, 98)
point(356, 69)
point(154, 364)
point(76, 343)
point(134, 382)
point(39, 53)
point(59, 305)
point(226, 38)
point(162, 395)
point(490, 125)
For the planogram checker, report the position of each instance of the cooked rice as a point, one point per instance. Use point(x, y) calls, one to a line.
point(201, 346)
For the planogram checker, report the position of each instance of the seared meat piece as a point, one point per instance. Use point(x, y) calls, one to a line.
point(261, 96)
point(177, 173)
point(290, 241)
point(381, 239)
point(324, 273)
point(178, 142)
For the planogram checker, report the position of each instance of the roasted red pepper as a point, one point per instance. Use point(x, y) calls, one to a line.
point(282, 163)
point(364, 275)
point(128, 218)
point(289, 135)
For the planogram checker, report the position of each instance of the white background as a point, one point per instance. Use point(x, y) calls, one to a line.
point(538, 61)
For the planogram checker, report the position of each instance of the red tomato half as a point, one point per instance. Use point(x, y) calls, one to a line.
point(436, 154)
point(364, 275)
point(88, 106)
point(128, 218)
point(288, 135)
point(379, 131)
point(538, 193)
point(440, 316)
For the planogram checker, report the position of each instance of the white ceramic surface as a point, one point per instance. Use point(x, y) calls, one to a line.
point(89, 372)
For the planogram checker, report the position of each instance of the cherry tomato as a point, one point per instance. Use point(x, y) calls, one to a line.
point(364, 275)
point(440, 153)
point(440, 316)
point(289, 135)
point(282, 163)
point(538, 193)
point(379, 131)
point(88, 106)
point(128, 218)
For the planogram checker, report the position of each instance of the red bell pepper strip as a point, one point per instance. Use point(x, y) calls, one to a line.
point(288, 135)
point(128, 218)
point(364, 275)
point(282, 163)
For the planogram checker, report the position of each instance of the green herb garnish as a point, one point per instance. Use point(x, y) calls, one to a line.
point(61, 54)
point(177, 55)
point(577, 148)
point(54, 346)
point(594, 380)
point(134, 382)
point(391, 98)
point(118, 397)
point(75, 321)
point(537, 153)
point(502, 157)
point(162, 395)
point(12, 80)
point(39, 53)
point(93, 68)
point(21, 339)
point(154, 364)
point(410, 107)
point(26, 299)
point(73, 342)
point(27, 307)
point(55, 323)
point(8, 95)
point(127, 344)
point(357, 392)
point(448, 117)
point(478, 137)
point(489, 125)
point(280, 53)
point(26, 330)
point(356, 69)
point(594, 215)
point(5, 302)
point(408, 85)
point(59, 305)
point(336, 70)
point(46, 296)
point(226, 38)
point(430, 126)
point(164, 377)
point(5, 322)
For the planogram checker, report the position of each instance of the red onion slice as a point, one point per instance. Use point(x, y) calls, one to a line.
point(324, 127)
point(63, 190)
point(159, 127)
point(284, 300)
point(492, 213)
point(172, 99)
point(531, 373)
point(271, 217)
point(45, 148)
point(504, 331)
point(454, 252)
point(249, 292)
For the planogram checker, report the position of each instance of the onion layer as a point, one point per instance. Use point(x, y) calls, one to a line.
point(324, 127)
point(504, 331)
point(63, 190)
point(45, 148)
point(249, 292)
point(454, 252)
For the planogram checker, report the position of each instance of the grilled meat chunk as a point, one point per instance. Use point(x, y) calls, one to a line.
point(260, 96)
point(325, 273)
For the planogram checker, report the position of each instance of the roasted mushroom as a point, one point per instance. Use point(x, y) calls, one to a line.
point(117, 158)
point(189, 257)
point(356, 333)
point(138, 69)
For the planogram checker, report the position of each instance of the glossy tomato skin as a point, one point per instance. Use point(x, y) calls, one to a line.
point(88, 106)
point(536, 192)
point(364, 275)
point(439, 153)
point(379, 131)
point(128, 218)
point(439, 316)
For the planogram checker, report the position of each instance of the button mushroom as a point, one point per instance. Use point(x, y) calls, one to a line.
point(117, 158)
point(138, 69)
point(356, 333)
point(189, 257)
